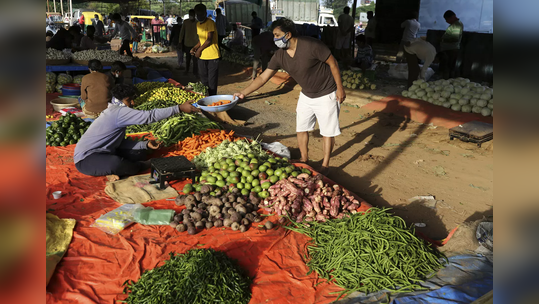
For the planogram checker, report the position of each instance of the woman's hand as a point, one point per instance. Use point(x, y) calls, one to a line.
point(188, 107)
point(192, 51)
point(152, 144)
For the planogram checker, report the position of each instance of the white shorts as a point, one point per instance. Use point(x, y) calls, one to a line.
point(343, 42)
point(323, 109)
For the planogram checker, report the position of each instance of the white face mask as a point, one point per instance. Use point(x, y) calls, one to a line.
point(282, 42)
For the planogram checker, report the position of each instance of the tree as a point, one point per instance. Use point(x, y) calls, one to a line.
point(336, 5)
point(366, 8)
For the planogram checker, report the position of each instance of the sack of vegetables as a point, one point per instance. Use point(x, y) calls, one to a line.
point(66, 131)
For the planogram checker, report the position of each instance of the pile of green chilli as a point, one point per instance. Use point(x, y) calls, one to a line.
point(198, 276)
point(369, 252)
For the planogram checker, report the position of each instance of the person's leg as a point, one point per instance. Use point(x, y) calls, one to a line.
point(109, 164)
point(452, 63)
point(328, 144)
point(179, 53)
point(266, 57)
point(203, 71)
point(413, 67)
point(305, 122)
point(303, 144)
point(195, 65)
point(426, 65)
point(213, 76)
point(327, 110)
point(255, 68)
point(135, 46)
point(187, 58)
point(443, 64)
point(127, 47)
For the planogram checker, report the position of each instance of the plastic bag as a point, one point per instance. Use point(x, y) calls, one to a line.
point(150, 216)
point(277, 148)
point(118, 219)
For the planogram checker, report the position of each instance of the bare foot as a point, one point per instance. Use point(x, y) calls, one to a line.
point(113, 178)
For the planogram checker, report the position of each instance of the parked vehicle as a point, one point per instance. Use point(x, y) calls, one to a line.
point(302, 12)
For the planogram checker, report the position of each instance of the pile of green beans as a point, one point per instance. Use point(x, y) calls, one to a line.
point(198, 276)
point(146, 128)
point(181, 126)
point(369, 252)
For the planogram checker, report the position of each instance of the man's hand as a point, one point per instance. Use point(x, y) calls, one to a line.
point(188, 107)
point(341, 95)
point(152, 144)
point(239, 95)
point(192, 51)
point(198, 53)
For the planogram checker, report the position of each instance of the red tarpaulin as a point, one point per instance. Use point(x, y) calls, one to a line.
point(97, 264)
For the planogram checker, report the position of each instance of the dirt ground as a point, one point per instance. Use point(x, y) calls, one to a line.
point(384, 158)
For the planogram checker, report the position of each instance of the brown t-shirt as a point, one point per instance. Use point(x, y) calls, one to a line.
point(95, 91)
point(308, 67)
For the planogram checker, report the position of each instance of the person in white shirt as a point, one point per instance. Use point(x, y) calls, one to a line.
point(221, 23)
point(346, 27)
point(411, 26)
point(422, 50)
point(170, 22)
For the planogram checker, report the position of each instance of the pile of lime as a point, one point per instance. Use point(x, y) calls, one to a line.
point(248, 173)
point(66, 131)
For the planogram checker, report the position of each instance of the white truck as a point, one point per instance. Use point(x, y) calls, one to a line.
point(302, 12)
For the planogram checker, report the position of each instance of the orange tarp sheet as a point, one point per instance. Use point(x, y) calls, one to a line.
point(424, 112)
point(97, 264)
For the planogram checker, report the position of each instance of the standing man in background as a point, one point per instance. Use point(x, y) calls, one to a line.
point(263, 47)
point(188, 40)
point(450, 45)
point(256, 24)
point(156, 30)
point(175, 43)
point(370, 30)
point(346, 27)
point(221, 22)
point(99, 27)
point(410, 26)
point(207, 50)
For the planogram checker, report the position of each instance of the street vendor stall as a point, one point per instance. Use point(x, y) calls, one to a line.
point(219, 210)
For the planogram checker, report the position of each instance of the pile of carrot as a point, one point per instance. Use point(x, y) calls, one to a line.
point(194, 145)
point(219, 103)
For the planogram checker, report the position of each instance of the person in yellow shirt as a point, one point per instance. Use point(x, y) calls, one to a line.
point(207, 50)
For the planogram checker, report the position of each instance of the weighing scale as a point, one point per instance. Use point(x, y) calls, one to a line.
point(171, 168)
point(474, 131)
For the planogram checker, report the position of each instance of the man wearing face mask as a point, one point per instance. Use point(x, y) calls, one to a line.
point(207, 50)
point(311, 64)
point(116, 72)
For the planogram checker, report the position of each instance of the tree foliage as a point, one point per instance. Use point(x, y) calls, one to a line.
point(366, 8)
